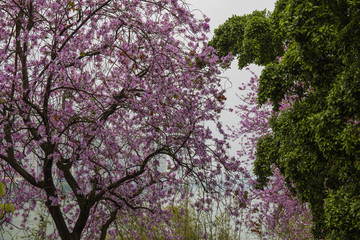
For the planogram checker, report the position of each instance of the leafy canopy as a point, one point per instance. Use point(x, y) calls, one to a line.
point(313, 85)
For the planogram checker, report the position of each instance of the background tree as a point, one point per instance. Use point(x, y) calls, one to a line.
point(102, 111)
point(251, 38)
point(315, 142)
point(189, 224)
point(272, 210)
point(6, 208)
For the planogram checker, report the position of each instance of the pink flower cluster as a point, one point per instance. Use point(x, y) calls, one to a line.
point(103, 107)
point(273, 211)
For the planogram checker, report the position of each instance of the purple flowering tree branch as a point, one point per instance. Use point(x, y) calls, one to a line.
point(103, 107)
point(272, 211)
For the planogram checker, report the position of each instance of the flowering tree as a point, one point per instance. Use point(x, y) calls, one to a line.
point(103, 107)
point(273, 210)
point(276, 213)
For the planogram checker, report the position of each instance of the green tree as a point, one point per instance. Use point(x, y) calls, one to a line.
point(187, 222)
point(316, 141)
point(249, 37)
point(5, 208)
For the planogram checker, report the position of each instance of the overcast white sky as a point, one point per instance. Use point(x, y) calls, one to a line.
point(219, 11)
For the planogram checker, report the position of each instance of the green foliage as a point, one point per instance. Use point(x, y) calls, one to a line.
point(315, 142)
point(266, 153)
point(248, 37)
point(5, 208)
point(188, 224)
point(2, 189)
point(183, 221)
point(342, 213)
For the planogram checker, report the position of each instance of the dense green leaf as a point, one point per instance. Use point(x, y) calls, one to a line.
point(315, 142)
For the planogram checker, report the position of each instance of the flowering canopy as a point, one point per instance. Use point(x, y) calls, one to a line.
point(103, 107)
point(273, 211)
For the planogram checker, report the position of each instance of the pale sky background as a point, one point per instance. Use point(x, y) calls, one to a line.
point(219, 11)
